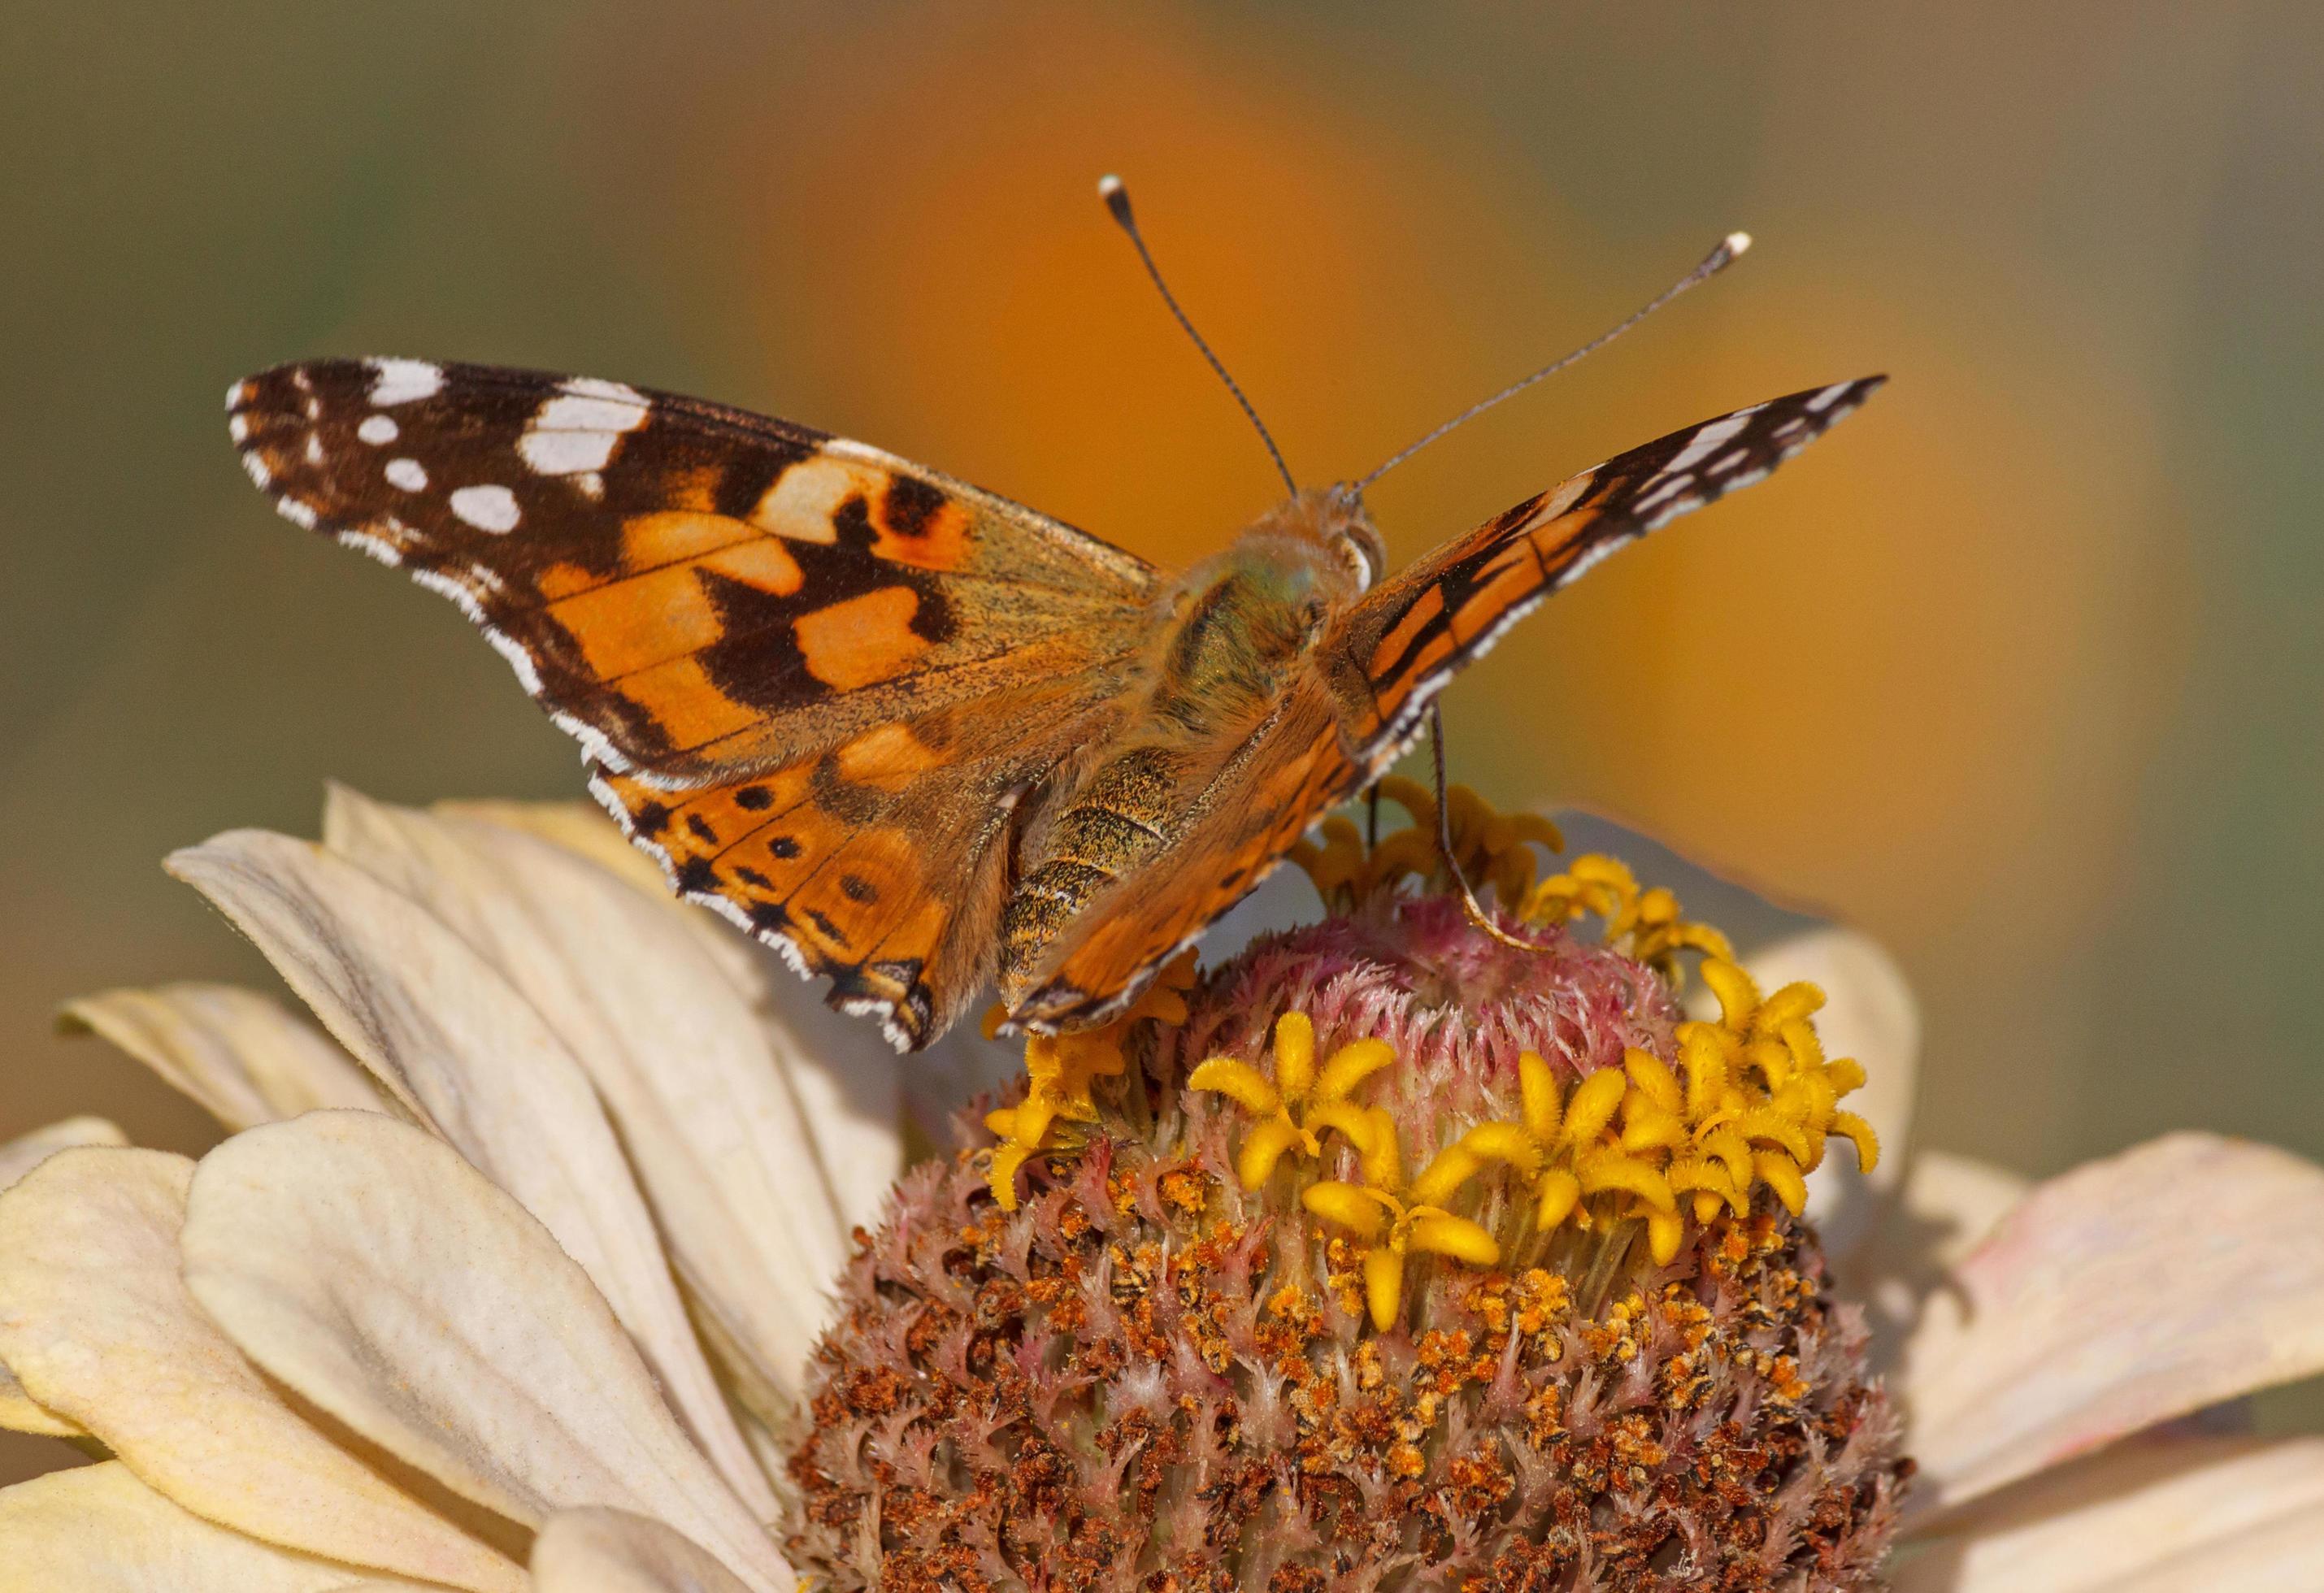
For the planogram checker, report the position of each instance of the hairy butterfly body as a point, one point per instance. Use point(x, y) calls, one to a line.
point(913, 734)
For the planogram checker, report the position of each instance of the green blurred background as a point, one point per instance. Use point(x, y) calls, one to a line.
point(2020, 670)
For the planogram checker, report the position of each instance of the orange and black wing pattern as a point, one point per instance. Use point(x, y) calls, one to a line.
point(777, 647)
point(1398, 646)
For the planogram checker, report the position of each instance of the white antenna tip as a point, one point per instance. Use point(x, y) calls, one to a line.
point(1737, 242)
point(1110, 185)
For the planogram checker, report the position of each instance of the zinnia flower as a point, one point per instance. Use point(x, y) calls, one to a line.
point(1381, 1255)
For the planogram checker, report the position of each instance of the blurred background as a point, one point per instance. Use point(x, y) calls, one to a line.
point(2019, 669)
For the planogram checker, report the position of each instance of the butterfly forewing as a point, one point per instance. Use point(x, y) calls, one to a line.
point(721, 606)
point(1408, 636)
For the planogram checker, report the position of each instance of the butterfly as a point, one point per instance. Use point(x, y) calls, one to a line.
point(917, 737)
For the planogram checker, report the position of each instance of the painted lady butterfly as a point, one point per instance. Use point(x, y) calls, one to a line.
point(914, 735)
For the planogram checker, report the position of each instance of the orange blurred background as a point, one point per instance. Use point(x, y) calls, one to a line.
point(2018, 669)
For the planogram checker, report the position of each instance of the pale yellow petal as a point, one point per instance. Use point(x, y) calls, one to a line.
point(27, 1151)
point(1947, 1204)
point(97, 1529)
point(465, 1054)
point(848, 1079)
point(582, 828)
point(2129, 1291)
point(614, 1551)
point(1869, 1015)
point(242, 1057)
point(746, 1186)
point(371, 1269)
point(2152, 1515)
point(97, 1323)
point(20, 1413)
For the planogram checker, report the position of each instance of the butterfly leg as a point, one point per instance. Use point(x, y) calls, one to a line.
point(1469, 907)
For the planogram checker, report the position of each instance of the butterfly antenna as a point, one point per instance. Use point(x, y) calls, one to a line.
point(1117, 200)
point(1717, 260)
point(1470, 908)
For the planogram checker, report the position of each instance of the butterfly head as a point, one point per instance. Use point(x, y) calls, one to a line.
point(1332, 522)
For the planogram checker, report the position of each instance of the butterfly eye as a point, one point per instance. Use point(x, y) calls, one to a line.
point(1365, 552)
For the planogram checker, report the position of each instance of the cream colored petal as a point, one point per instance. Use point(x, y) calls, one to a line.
point(580, 827)
point(2144, 1516)
point(614, 1551)
point(2130, 1291)
point(20, 1413)
point(703, 1101)
point(97, 1529)
point(20, 1155)
point(844, 1075)
point(243, 1058)
point(95, 1322)
point(466, 1056)
point(1868, 1014)
point(381, 1276)
point(1947, 1204)
point(850, 1083)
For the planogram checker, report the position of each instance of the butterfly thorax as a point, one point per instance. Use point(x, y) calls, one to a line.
point(1236, 622)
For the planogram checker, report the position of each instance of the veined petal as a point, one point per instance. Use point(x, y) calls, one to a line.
point(381, 1276)
point(581, 828)
point(745, 1193)
point(2126, 1292)
point(848, 1080)
point(240, 1057)
point(27, 1151)
point(2148, 1516)
point(614, 1551)
point(97, 1529)
point(466, 1056)
point(1869, 1015)
point(95, 1322)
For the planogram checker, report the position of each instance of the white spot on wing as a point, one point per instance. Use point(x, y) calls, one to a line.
point(804, 497)
point(379, 430)
point(488, 507)
point(237, 395)
point(566, 453)
point(403, 382)
point(237, 427)
point(1668, 485)
point(1707, 441)
point(313, 448)
point(406, 474)
point(1829, 396)
point(576, 430)
point(301, 515)
point(620, 392)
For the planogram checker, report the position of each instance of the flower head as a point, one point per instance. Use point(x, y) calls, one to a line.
point(1397, 1252)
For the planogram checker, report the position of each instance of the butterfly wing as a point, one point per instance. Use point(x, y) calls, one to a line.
point(1396, 649)
point(777, 647)
point(1344, 719)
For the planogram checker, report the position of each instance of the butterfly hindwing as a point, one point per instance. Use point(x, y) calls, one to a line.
point(729, 611)
point(1397, 648)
